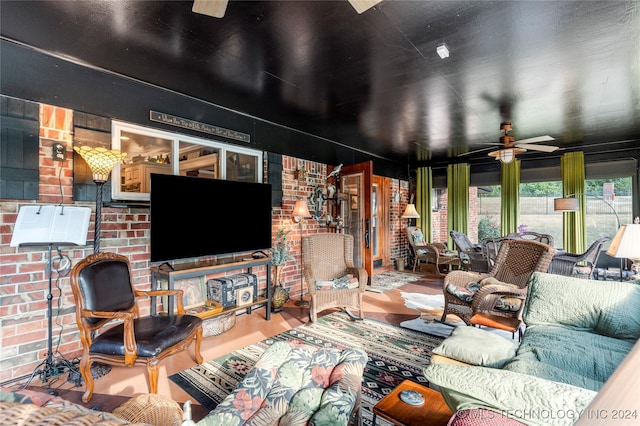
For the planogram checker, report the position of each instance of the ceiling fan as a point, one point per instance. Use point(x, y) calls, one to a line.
point(511, 147)
point(217, 8)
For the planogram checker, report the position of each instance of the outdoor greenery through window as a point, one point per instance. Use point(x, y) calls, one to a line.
point(608, 204)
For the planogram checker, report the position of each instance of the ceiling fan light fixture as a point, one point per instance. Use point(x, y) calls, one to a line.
point(442, 50)
point(506, 155)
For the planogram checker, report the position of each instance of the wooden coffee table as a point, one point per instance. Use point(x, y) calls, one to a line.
point(433, 412)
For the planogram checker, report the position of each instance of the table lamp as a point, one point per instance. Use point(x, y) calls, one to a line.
point(626, 245)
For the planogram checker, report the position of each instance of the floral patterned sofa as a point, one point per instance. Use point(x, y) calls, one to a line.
point(296, 384)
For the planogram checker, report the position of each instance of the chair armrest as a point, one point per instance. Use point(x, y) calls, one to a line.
point(177, 293)
point(362, 275)
point(127, 318)
point(485, 299)
point(462, 278)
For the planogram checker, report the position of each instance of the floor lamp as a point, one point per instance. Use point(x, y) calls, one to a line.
point(301, 211)
point(101, 161)
point(572, 204)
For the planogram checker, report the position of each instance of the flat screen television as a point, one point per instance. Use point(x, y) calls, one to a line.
point(197, 217)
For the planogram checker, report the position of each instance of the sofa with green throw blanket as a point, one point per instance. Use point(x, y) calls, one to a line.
point(295, 384)
point(577, 333)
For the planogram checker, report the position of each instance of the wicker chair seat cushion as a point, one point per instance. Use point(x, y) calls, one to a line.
point(582, 270)
point(464, 293)
point(345, 281)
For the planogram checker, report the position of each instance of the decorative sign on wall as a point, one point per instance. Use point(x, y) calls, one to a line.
point(172, 120)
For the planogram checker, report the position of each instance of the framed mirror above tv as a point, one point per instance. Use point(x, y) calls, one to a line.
point(156, 151)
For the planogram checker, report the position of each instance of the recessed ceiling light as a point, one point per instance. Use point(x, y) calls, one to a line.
point(443, 51)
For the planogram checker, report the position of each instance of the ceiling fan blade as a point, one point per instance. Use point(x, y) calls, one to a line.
point(544, 138)
point(543, 148)
point(215, 8)
point(362, 5)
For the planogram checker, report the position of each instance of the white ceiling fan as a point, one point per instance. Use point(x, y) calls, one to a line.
point(217, 8)
point(511, 147)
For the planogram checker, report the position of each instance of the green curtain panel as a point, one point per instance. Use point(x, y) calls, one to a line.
point(510, 201)
point(458, 176)
point(424, 187)
point(572, 168)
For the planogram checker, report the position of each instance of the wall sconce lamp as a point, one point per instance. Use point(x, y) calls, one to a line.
point(301, 211)
point(625, 245)
point(101, 161)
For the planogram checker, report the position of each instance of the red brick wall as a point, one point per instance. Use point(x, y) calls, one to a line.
point(23, 281)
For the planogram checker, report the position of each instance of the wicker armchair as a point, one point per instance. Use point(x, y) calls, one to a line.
point(433, 253)
point(534, 236)
point(477, 258)
point(331, 276)
point(516, 261)
point(578, 265)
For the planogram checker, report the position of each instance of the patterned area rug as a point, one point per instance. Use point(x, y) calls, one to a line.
point(395, 354)
point(431, 307)
point(390, 280)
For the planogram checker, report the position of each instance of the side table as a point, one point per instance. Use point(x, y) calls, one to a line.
point(499, 323)
point(432, 412)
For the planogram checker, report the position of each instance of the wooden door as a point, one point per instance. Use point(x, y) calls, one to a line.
point(356, 183)
point(381, 221)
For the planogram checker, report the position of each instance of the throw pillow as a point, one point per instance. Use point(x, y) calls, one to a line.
point(510, 304)
point(494, 281)
point(477, 347)
point(418, 237)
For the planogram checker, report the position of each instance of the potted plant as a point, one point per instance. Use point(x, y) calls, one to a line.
point(280, 254)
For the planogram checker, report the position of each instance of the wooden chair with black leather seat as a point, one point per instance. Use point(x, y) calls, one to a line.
point(104, 295)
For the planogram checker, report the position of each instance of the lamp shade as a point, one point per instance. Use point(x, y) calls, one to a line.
point(300, 209)
point(626, 243)
point(566, 204)
point(100, 160)
point(410, 212)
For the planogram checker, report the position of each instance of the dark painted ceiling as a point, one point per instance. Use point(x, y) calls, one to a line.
point(569, 69)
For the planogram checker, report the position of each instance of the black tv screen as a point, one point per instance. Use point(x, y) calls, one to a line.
point(197, 217)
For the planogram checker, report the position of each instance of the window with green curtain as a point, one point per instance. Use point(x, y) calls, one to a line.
point(424, 185)
point(510, 199)
point(458, 177)
point(573, 177)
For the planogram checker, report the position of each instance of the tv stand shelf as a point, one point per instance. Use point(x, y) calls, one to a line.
point(183, 271)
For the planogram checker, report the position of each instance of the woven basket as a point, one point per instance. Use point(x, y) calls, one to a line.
point(153, 409)
point(217, 325)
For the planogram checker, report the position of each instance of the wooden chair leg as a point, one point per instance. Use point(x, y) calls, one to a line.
point(85, 372)
point(197, 355)
point(152, 369)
